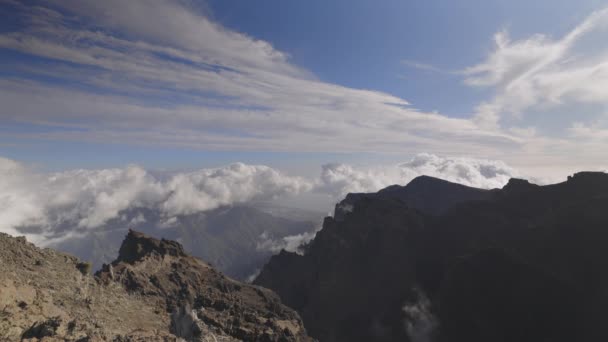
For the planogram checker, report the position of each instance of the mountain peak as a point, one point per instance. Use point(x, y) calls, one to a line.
point(202, 300)
point(428, 179)
point(518, 184)
point(138, 245)
point(427, 194)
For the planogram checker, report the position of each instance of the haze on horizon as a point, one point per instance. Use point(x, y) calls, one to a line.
point(186, 106)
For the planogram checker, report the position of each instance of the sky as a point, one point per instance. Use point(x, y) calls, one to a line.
point(334, 96)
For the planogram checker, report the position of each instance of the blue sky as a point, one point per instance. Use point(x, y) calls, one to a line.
point(363, 43)
point(174, 85)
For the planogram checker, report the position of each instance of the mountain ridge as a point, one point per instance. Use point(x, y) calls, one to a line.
point(553, 234)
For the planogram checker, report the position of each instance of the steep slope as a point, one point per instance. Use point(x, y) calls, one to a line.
point(163, 273)
point(525, 263)
point(352, 270)
point(228, 238)
point(44, 294)
point(154, 291)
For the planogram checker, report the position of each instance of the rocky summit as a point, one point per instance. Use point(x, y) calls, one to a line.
point(154, 291)
point(525, 263)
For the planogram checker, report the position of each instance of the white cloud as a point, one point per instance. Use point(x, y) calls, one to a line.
point(420, 322)
point(210, 188)
point(86, 199)
point(291, 243)
point(159, 72)
point(50, 207)
point(540, 72)
point(162, 73)
point(340, 179)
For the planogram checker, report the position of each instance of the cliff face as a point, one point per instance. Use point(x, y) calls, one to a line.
point(351, 271)
point(524, 263)
point(154, 291)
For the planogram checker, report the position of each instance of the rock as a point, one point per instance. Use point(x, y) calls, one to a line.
point(198, 297)
point(153, 292)
point(186, 324)
point(47, 328)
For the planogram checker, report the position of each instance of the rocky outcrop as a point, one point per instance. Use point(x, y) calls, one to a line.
point(44, 296)
point(154, 291)
point(201, 300)
point(522, 263)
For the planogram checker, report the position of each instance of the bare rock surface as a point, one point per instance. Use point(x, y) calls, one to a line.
point(202, 300)
point(45, 297)
point(154, 291)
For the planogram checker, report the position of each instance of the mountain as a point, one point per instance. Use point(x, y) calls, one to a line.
point(230, 238)
point(427, 194)
point(521, 263)
point(153, 291)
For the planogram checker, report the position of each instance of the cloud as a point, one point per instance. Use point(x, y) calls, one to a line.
point(420, 322)
point(162, 73)
point(47, 207)
point(210, 188)
point(420, 65)
point(291, 243)
point(51, 207)
point(540, 72)
point(340, 179)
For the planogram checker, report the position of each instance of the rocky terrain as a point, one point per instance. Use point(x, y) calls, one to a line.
point(522, 263)
point(154, 291)
point(45, 296)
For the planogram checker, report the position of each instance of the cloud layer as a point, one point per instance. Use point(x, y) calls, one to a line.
point(54, 206)
point(86, 199)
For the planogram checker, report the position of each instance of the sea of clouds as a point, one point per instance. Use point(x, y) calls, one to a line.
point(36, 204)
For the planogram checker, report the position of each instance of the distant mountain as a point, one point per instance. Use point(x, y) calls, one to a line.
point(153, 291)
point(432, 261)
point(230, 238)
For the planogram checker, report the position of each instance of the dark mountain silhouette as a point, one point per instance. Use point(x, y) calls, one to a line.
point(522, 263)
point(427, 194)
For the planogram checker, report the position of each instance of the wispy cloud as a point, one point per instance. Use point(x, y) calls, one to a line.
point(160, 72)
point(421, 66)
point(543, 73)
